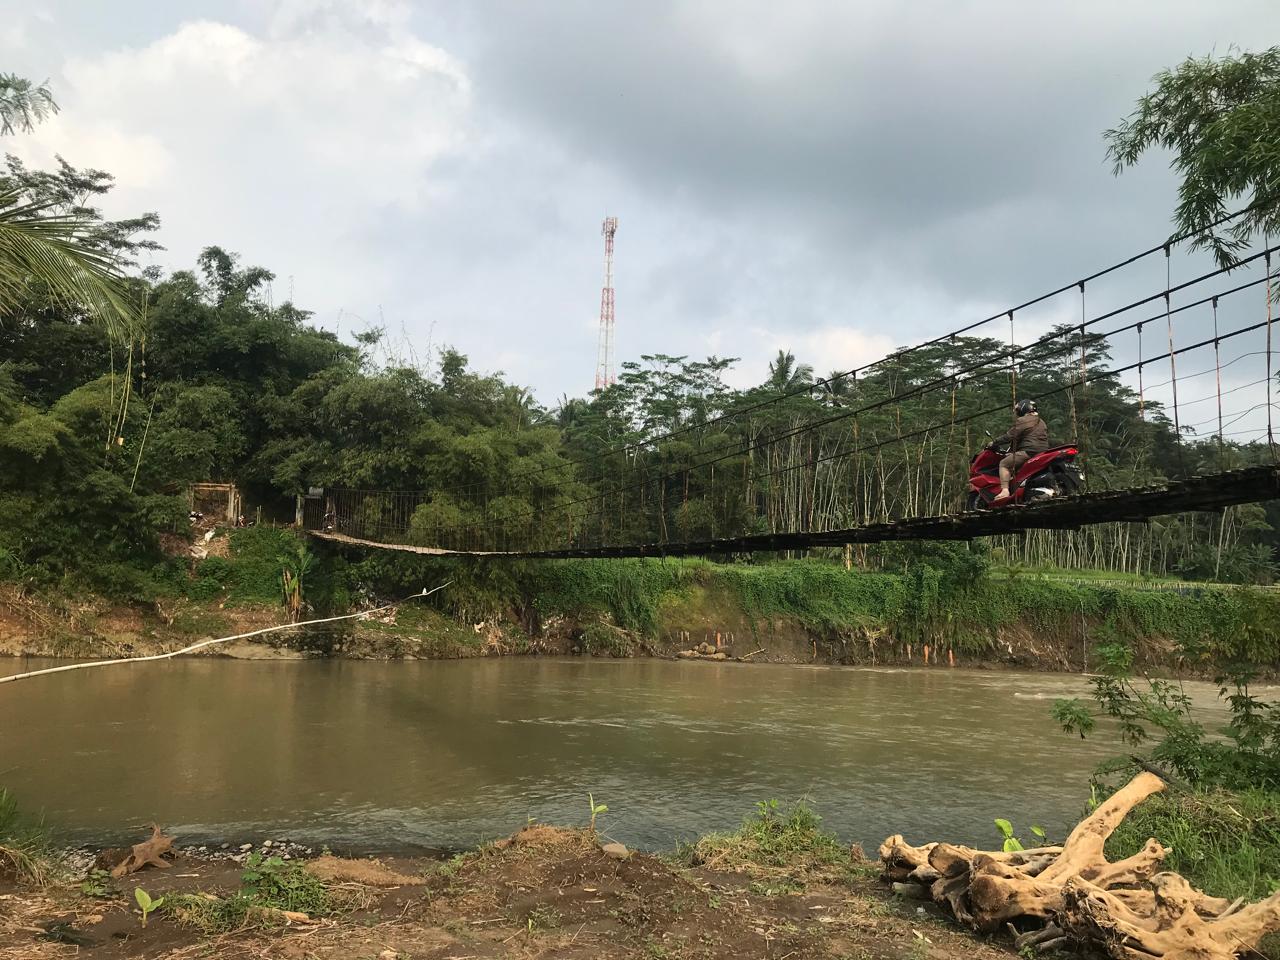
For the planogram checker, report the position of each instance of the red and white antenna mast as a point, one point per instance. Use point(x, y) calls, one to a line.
point(604, 361)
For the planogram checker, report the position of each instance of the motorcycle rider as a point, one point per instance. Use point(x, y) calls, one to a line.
point(1028, 436)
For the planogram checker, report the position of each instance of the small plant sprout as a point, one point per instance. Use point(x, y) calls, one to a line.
point(96, 884)
point(596, 810)
point(1011, 843)
point(147, 905)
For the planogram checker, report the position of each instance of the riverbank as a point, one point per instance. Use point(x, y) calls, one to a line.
point(942, 608)
point(694, 626)
point(777, 888)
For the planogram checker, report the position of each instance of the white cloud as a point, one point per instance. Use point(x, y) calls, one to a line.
point(290, 16)
point(289, 148)
point(827, 349)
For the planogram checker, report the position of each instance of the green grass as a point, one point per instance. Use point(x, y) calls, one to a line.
point(419, 631)
point(25, 853)
point(773, 837)
point(947, 598)
point(921, 604)
point(1004, 571)
point(1226, 844)
point(251, 572)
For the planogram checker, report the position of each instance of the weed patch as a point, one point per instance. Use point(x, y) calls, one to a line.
point(772, 837)
point(25, 855)
point(267, 885)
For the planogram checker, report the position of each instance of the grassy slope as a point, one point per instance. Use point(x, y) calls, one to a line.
point(621, 607)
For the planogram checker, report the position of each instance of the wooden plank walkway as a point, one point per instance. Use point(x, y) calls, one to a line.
point(1214, 492)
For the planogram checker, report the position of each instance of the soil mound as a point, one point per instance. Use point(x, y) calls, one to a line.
point(370, 873)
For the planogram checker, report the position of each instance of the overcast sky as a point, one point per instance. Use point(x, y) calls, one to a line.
point(836, 178)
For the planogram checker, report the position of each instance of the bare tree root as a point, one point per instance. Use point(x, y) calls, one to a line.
point(1055, 896)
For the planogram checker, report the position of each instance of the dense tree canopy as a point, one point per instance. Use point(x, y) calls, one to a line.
point(103, 426)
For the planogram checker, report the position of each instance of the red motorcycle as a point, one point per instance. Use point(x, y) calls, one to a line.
point(1053, 473)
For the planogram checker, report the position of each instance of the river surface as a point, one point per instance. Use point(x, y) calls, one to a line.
point(385, 756)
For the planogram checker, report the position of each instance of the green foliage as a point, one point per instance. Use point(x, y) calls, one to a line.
point(1220, 118)
point(284, 885)
point(43, 245)
point(602, 640)
point(543, 918)
point(258, 556)
point(1243, 754)
point(1227, 844)
point(1010, 840)
point(210, 915)
point(628, 590)
point(212, 576)
point(97, 883)
point(266, 884)
point(1246, 753)
point(621, 600)
point(774, 836)
point(146, 904)
point(23, 104)
point(596, 810)
point(255, 571)
point(24, 846)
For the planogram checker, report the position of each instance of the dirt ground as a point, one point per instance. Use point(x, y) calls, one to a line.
point(544, 892)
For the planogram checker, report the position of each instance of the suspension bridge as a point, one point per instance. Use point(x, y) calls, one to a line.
point(880, 452)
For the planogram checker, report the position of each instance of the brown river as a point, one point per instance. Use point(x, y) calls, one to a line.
point(388, 756)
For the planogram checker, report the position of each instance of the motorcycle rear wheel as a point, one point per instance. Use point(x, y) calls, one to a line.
point(1069, 481)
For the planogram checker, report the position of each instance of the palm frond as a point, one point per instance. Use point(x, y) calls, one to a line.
point(23, 104)
point(38, 246)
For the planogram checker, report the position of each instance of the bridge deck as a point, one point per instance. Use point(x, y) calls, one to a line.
point(1196, 493)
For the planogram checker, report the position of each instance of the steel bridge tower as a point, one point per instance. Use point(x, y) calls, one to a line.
point(604, 359)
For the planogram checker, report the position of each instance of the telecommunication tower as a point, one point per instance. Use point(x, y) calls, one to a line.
point(604, 360)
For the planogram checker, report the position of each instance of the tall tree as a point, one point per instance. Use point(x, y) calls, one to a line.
point(1220, 118)
point(786, 374)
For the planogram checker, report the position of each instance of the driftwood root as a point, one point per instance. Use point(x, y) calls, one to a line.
point(1072, 895)
point(148, 853)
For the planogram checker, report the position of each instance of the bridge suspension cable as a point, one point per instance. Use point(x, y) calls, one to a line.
point(809, 388)
point(792, 461)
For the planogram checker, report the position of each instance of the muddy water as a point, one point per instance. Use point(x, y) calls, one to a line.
point(383, 755)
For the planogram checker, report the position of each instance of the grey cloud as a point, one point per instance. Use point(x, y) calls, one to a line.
point(956, 136)
point(893, 168)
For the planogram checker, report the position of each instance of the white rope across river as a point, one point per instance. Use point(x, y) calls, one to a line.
point(209, 643)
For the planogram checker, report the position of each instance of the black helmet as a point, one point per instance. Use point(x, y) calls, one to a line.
point(1023, 407)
